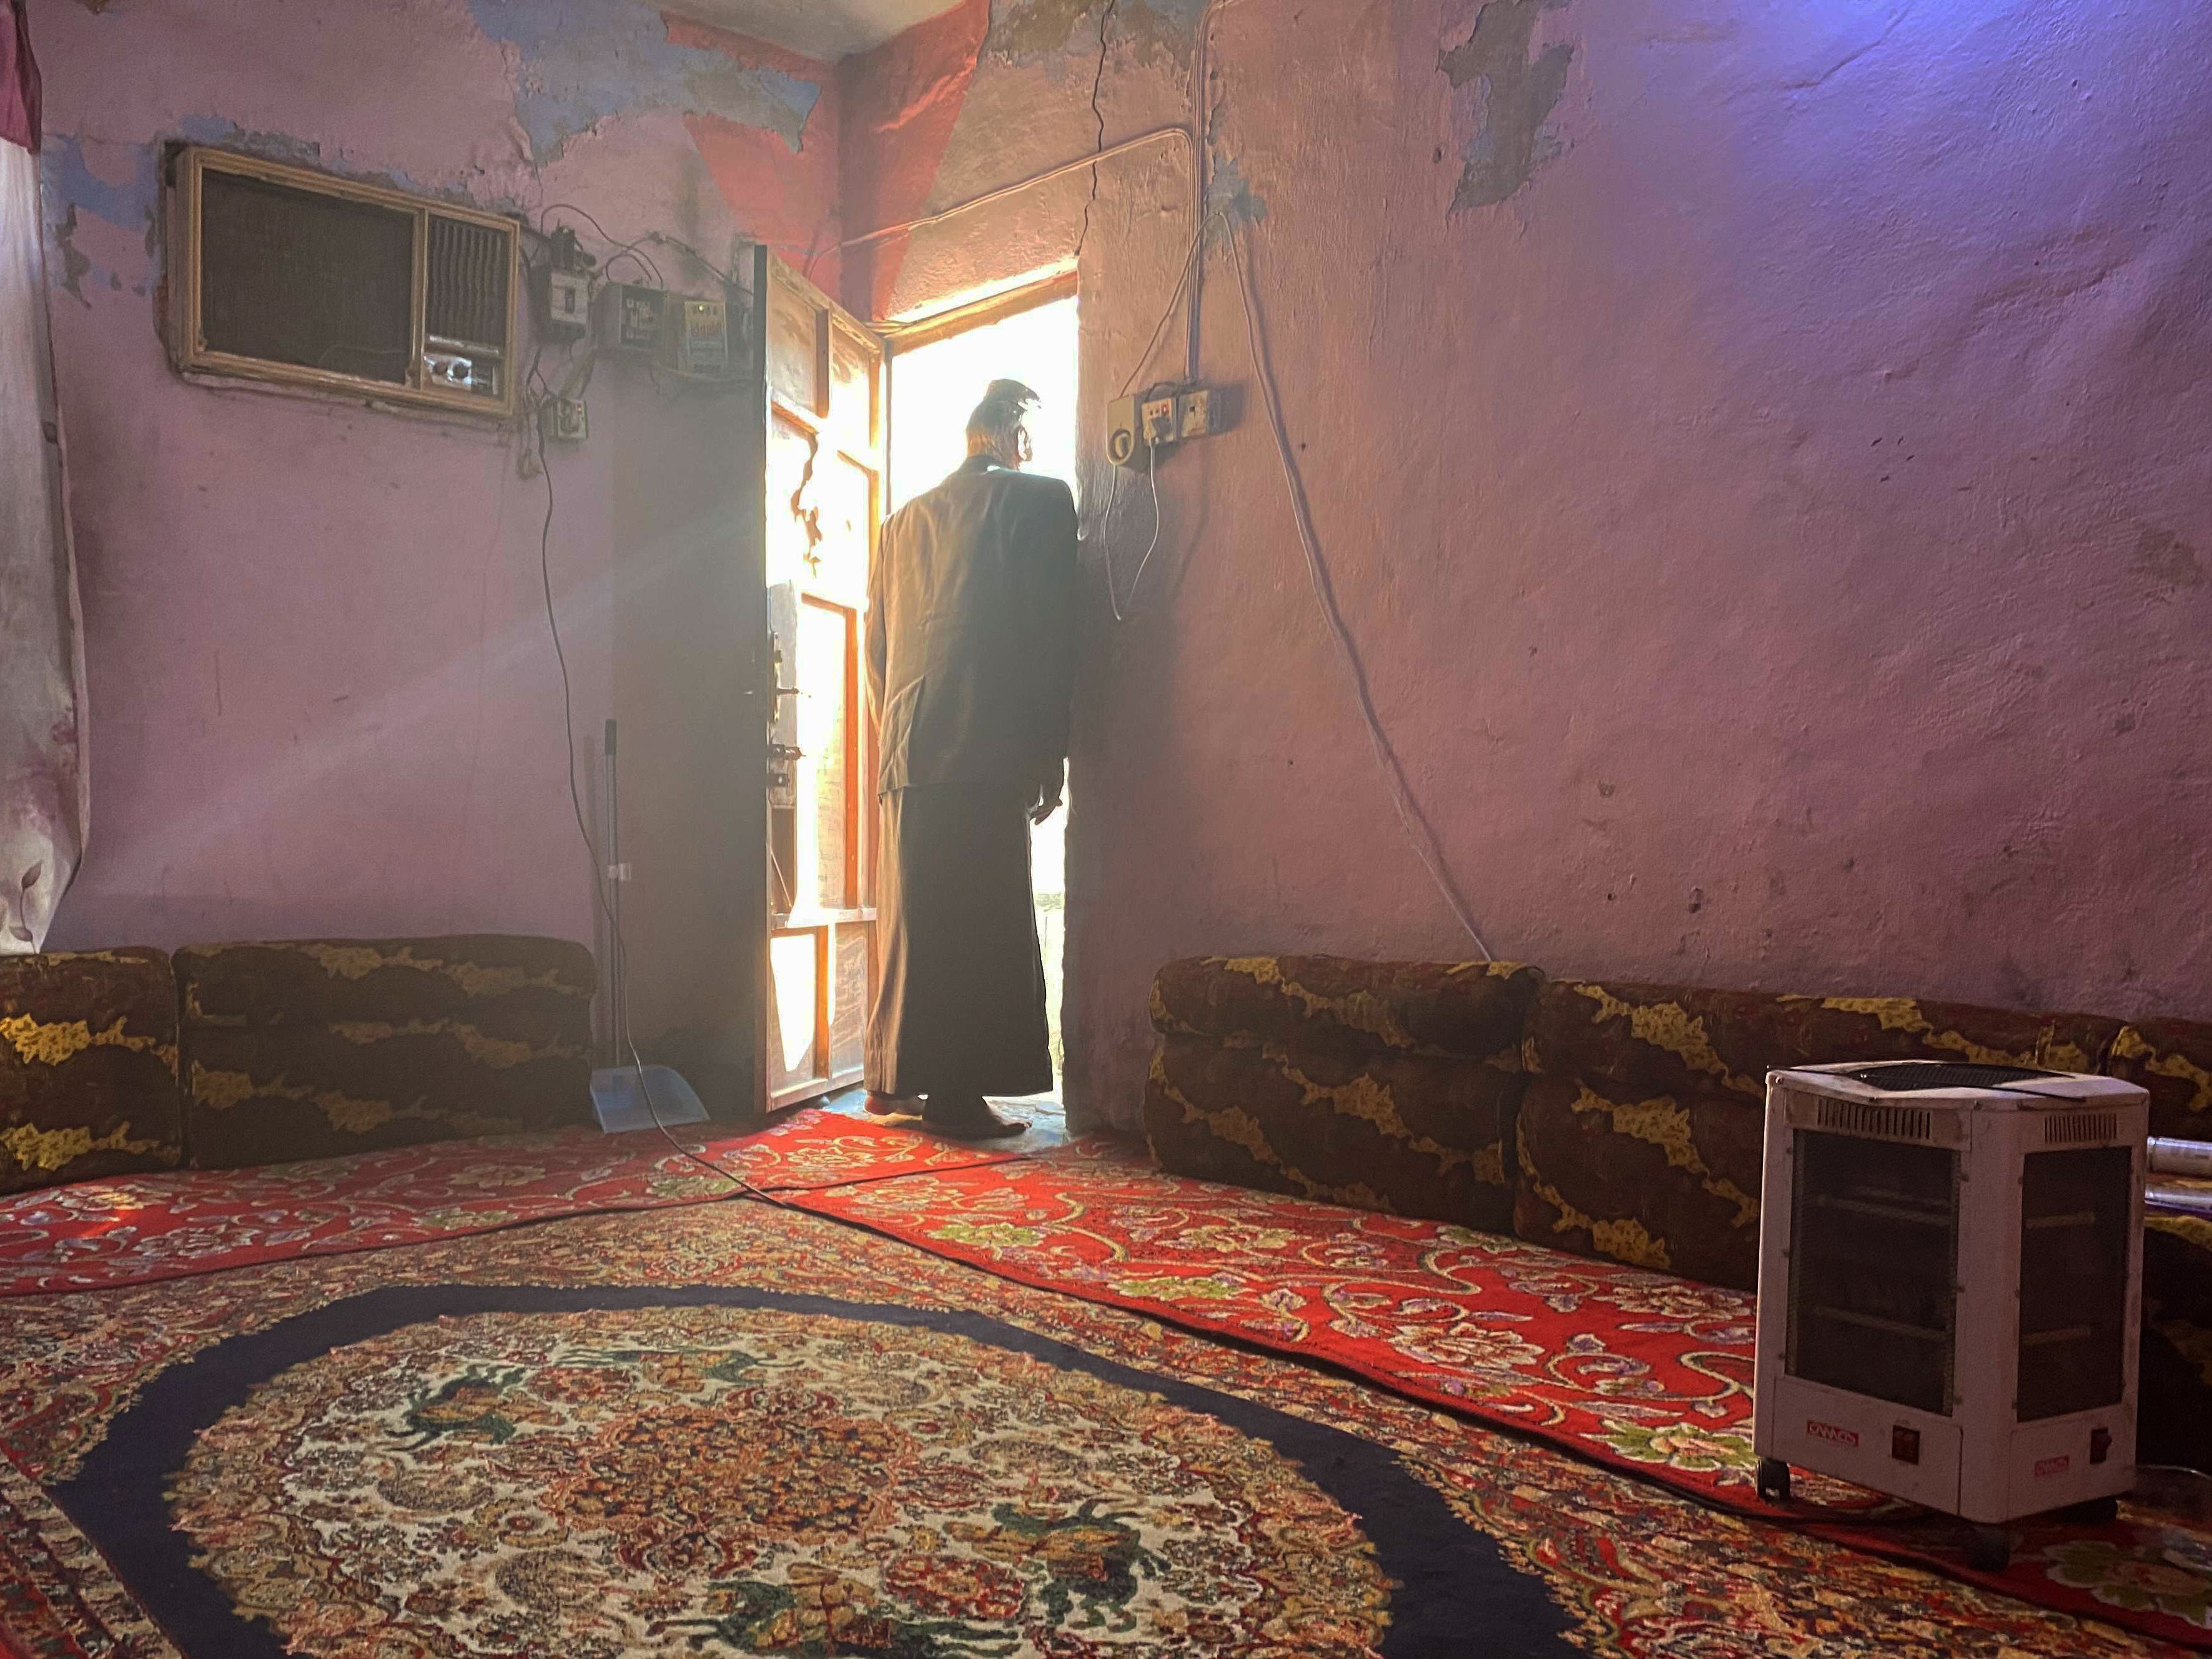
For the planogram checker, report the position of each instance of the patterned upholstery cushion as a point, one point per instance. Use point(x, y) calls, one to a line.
point(88, 1066)
point(2173, 1059)
point(1641, 1132)
point(311, 1047)
point(2174, 1412)
point(1387, 1086)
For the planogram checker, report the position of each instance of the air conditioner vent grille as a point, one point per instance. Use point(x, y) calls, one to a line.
point(1867, 1117)
point(2066, 1128)
point(466, 302)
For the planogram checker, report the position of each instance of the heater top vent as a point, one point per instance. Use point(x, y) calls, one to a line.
point(1917, 1076)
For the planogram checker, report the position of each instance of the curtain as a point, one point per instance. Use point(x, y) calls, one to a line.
point(42, 800)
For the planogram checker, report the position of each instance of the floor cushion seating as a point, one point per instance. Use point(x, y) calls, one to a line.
point(1641, 1135)
point(311, 1047)
point(1623, 1120)
point(88, 1066)
point(1387, 1086)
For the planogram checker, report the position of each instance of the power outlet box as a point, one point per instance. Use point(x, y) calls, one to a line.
point(564, 420)
point(1157, 417)
point(567, 304)
point(1194, 413)
point(1138, 429)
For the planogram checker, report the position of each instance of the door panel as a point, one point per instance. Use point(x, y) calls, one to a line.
point(826, 437)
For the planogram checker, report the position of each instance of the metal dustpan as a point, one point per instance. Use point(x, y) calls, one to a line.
point(627, 1098)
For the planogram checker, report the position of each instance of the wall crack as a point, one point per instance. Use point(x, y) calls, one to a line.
point(1098, 85)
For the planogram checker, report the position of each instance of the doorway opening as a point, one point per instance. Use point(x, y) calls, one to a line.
point(939, 372)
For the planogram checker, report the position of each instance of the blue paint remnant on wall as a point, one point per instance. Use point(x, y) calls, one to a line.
point(73, 189)
point(1229, 194)
point(584, 60)
point(1518, 94)
point(70, 187)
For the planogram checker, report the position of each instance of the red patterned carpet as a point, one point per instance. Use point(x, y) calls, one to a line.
point(1635, 1373)
point(732, 1429)
point(134, 1229)
point(1641, 1371)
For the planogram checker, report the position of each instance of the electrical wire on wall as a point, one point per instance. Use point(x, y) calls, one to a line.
point(1419, 831)
point(1191, 261)
point(583, 830)
point(1411, 818)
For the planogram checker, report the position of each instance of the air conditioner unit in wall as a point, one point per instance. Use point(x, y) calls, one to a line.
point(278, 273)
point(1950, 1281)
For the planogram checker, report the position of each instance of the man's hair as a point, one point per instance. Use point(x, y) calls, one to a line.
point(991, 428)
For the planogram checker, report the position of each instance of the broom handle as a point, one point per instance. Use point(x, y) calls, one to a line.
point(619, 1021)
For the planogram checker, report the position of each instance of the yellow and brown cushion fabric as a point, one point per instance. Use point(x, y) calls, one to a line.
point(1641, 1129)
point(2172, 1060)
point(311, 1047)
point(1387, 1086)
point(88, 1066)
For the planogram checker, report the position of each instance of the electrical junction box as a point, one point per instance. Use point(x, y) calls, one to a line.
point(633, 317)
point(564, 420)
point(698, 337)
point(567, 304)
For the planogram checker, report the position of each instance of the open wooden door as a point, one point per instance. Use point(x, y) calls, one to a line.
point(827, 438)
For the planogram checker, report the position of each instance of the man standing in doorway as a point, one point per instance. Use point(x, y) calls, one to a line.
point(971, 615)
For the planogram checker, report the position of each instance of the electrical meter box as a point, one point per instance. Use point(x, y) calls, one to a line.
point(698, 337)
point(632, 318)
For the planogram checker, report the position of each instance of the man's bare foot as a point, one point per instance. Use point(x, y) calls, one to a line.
point(967, 1118)
point(878, 1105)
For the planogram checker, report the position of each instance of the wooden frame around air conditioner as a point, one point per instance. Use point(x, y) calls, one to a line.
point(188, 345)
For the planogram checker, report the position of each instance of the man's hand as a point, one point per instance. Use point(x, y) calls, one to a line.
point(1049, 790)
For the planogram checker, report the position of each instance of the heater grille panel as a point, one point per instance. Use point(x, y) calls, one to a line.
point(2076, 1212)
point(1873, 1268)
point(1868, 1117)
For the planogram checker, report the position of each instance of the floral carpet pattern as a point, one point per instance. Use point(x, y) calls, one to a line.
point(593, 1336)
point(132, 1229)
point(755, 1479)
point(1642, 1371)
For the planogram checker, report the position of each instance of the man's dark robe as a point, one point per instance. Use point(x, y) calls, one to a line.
point(971, 667)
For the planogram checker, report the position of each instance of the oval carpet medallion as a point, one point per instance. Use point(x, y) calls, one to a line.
point(444, 1474)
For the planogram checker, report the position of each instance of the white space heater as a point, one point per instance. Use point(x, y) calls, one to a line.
point(1950, 1270)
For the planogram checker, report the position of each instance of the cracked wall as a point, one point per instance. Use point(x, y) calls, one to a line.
point(1758, 450)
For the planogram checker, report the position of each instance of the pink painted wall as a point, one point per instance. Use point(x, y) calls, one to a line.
point(1772, 504)
point(323, 696)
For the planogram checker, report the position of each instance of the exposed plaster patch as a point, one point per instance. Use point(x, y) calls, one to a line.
point(73, 266)
point(578, 62)
point(1518, 96)
point(1029, 29)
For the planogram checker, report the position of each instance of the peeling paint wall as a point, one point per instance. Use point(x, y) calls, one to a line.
point(323, 696)
point(1760, 454)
